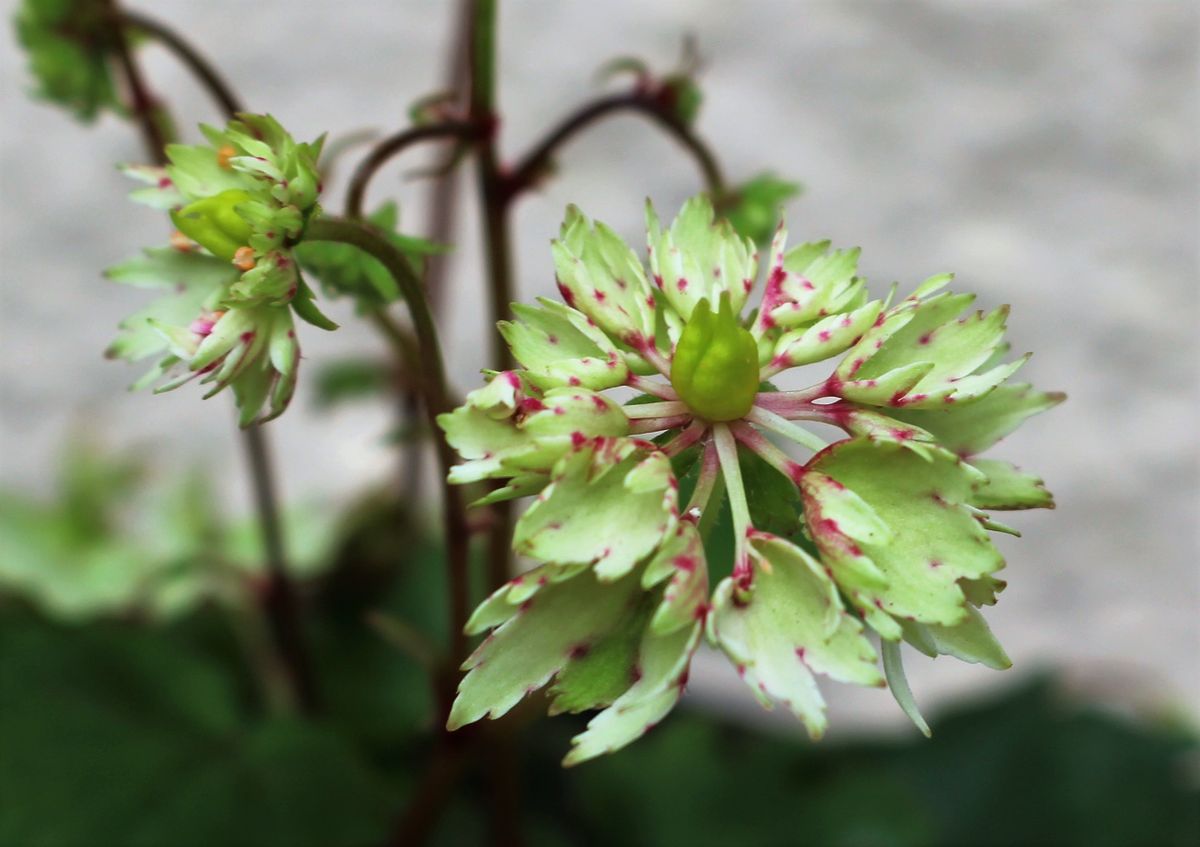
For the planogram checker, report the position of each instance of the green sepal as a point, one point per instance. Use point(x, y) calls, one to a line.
point(305, 306)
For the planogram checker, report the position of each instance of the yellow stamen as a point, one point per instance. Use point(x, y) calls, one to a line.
point(224, 154)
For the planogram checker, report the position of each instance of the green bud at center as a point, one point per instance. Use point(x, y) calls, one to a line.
point(715, 369)
point(214, 223)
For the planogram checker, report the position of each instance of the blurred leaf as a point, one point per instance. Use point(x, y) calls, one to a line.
point(69, 46)
point(753, 208)
point(344, 380)
point(126, 739)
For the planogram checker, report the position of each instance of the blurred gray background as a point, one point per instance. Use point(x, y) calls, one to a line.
point(1046, 151)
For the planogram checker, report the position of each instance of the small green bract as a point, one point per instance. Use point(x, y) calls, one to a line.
point(893, 542)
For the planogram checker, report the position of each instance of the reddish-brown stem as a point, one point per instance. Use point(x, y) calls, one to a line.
point(644, 426)
point(390, 147)
point(142, 103)
point(649, 103)
point(204, 72)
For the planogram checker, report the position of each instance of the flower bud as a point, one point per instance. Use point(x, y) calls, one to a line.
point(213, 223)
point(715, 369)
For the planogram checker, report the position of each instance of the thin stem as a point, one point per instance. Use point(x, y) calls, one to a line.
point(786, 403)
point(436, 396)
point(732, 471)
point(204, 72)
point(280, 601)
point(638, 101)
point(761, 445)
point(496, 235)
point(693, 433)
point(644, 426)
point(652, 387)
point(648, 351)
point(392, 146)
point(634, 411)
point(781, 425)
point(143, 104)
point(710, 467)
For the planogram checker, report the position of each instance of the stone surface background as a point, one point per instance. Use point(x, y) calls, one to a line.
point(1045, 150)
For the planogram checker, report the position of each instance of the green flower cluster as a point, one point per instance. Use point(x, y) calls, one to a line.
point(891, 541)
point(240, 204)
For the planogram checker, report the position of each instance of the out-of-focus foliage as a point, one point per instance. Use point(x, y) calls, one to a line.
point(156, 733)
point(118, 540)
point(70, 45)
point(753, 207)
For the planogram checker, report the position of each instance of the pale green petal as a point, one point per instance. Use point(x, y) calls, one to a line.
point(936, 540)
point(1006, 487)
point(970, 641)
point(661, 672)
point(789, 626)
point(559, 624)
point(602, 277)
point(969, 429)
point(600, 507)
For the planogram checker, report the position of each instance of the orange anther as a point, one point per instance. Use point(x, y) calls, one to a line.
point(224, 154)
point(243, 259)
point(181, 242)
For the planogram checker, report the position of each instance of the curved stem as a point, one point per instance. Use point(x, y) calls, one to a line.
point(207, 75)
point(645, 103)
point(142, 105)
point(436, 396)
point(393, 146)
point(710, 467)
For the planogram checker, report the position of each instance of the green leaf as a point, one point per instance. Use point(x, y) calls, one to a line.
point(346, 380)
point(559, 348)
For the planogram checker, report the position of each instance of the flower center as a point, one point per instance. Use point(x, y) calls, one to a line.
point(715, 369)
